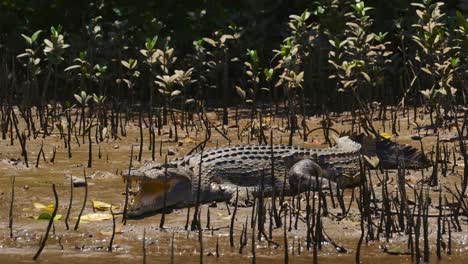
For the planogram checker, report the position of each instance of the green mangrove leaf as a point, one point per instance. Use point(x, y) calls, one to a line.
point(45, 216)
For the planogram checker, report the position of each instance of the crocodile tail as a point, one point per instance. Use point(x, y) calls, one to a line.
point(389, 152)
point(347, 144)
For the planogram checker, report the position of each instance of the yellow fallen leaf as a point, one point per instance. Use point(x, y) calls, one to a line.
point(118, 230)
point(96, 217)
point(102, 206)
point(40, 206)
point(188, 140)
point(385, 135)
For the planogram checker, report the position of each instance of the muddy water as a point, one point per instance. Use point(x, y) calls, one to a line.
point(90, 242)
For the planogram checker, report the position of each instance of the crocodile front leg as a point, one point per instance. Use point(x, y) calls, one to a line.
point(243, 194)
point(308, 175)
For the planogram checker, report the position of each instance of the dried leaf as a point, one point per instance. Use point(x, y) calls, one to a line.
point(118, 230)
point(188, 140)
point(96, 217)
point(102, 206)
point(40, 206)
point(385, 135)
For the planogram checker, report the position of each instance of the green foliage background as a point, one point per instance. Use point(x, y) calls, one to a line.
point(180, 22)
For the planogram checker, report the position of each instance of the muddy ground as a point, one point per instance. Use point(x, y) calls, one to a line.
point(90, 242)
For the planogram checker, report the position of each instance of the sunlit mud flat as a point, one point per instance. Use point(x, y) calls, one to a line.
point(90, 242)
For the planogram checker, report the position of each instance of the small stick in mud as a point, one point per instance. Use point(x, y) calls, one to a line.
point(10, 214)
point(233, 217)
point(252, 217)
point(172, 248)
point(51, 221)
point(293, 246)
point(299, 247)
point(143, 243)
point(84, 201)
point(127, 187)
point(113, 231)
point(21, 138)
point(140, 152)
point(41, 150)
point(439, 227)
point(254, 258)
point(68, 116)
point(196, 219)
point(60, 243)
point(417, 228)
point(435, 167)
point(54, 152)
point(361, 211)
point(270, 222)
point(243, 237)
point(69, 203)
point(226, 202)
point(200, 237)
point(208, 218)
point(163, 215)
point(90, 145)
point(285, 237)
point(426, 229)
point(187, 219)
point(449, 246)
point(160, 147)
point(273, 184)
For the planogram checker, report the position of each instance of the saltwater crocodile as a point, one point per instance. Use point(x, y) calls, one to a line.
point(230, 172)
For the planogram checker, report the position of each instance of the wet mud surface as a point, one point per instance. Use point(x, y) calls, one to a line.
point(90, 242)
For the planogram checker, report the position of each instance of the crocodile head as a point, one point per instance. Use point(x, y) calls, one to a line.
point(152, 182)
